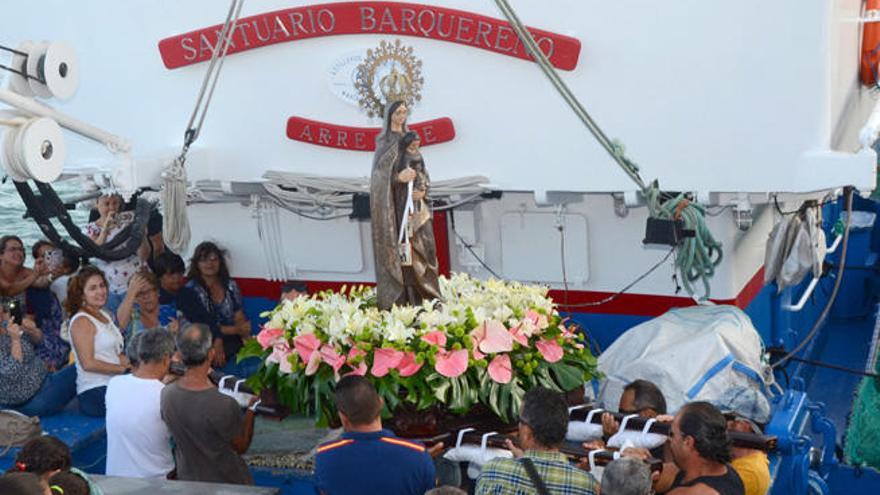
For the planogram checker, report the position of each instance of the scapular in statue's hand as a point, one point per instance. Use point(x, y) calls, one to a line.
point(406, 175)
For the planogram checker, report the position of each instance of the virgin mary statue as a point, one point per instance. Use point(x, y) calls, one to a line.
point(401, 279)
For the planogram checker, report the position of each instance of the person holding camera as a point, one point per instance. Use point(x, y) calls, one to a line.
point(209, 430)
point(46, 308)
point(25, 383)
point(109, 224)
point(97, 342)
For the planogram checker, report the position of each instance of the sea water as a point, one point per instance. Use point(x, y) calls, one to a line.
point(12, 211)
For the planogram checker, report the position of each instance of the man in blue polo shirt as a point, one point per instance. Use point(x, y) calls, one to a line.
point(368, 459)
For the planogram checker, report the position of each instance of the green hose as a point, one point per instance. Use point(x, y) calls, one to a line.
point(697, 256)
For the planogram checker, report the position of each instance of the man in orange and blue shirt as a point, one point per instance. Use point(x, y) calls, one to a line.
point(368, 458)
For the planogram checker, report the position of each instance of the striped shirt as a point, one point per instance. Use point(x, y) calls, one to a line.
point(509, 477)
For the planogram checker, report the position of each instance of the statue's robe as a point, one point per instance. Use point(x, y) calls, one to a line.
point(396, 284)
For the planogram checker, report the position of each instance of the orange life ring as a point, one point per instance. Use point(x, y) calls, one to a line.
point(870, 47)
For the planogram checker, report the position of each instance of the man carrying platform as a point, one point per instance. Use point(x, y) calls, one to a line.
point(208, 427)
point(542, 425)
point(367, 458)
point(701, 449)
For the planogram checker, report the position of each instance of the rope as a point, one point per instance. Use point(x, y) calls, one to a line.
point(315, 196)
point(695, 260)
point(176, 230)
point(698, 255)
point(614, 148)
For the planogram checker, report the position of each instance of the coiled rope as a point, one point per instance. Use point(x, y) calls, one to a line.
point(323, 196)
point(697, 256)
point(175, 229)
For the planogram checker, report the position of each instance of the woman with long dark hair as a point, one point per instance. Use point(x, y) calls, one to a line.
point(97, 342)
point(211, 297)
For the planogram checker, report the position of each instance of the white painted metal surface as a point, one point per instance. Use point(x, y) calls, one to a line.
point(707, 95)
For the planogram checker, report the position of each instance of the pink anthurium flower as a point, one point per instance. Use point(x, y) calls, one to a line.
point(477, 353)
point(436, 338)
point(491, 337)
point(306, 344)
point(313, 363)
point(331, 357)
point(385, 359)
point(549, 349)
point(361, 370)
point(408, 365)
point(451, 363)
point(519, 335)
point(281, 354)
point(537, 319)
point(500, 369)
point(269, 337)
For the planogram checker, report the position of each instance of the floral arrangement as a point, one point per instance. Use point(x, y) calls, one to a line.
point(486, 342)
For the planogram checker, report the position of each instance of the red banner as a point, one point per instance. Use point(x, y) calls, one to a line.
point(362, 138)
point(392, 18)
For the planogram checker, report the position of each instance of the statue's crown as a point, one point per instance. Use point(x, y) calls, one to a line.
point(395, 86)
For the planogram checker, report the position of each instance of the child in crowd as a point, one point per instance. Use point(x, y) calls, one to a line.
point(43, 456)
point(293, 289)
point(68, 483)
point(22, 484)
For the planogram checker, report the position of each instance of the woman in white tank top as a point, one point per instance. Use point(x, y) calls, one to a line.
point(97, 342)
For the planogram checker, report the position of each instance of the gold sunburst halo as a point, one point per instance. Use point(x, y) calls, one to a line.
point(375, 93)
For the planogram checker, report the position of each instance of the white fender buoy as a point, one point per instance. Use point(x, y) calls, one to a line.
point(35, 151)
point(60, 69)
point(35, 55)
point(9, 139)
point(18, 83)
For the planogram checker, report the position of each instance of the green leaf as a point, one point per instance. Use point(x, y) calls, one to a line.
point(441, 390)
point(456, 399)
point(252, 348)
point(542, 375)
point(567, 377)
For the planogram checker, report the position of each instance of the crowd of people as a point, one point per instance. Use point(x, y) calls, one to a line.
point(698, 457)
point(108, 332)
point(63, 326)
point(44, 466)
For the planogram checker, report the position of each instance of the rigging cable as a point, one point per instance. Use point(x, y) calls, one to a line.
point(701, 253)
point(469, 247)
point(176, 229)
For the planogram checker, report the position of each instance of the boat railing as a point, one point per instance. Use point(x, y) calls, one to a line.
point(813, 283)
